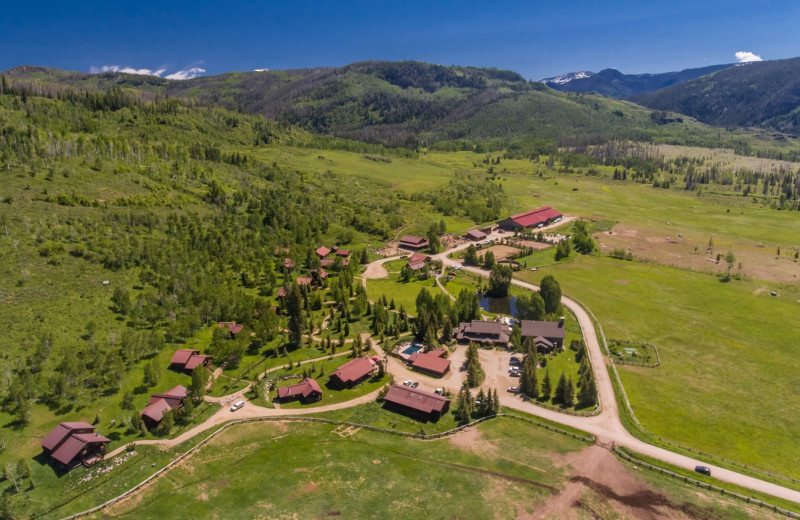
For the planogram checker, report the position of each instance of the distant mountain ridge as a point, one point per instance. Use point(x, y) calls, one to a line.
point(762, 94)
point(615, 84)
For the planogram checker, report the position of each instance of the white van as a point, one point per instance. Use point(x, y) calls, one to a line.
point(237, 405)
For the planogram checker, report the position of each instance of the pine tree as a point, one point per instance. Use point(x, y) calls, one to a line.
point(475, 373)
point(495, 403)
point(528, 382)
point(561, 389)
point(480, 404)
point(587, 395)
point(569, 393)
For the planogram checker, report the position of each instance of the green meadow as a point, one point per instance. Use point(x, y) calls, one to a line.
point(726, 382)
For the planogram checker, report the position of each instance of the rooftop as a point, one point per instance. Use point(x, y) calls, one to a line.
point(416, 399)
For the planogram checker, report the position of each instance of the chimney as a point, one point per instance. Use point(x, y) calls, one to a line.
point(561, 321)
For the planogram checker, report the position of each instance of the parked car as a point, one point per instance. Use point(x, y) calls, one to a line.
point(439, 391)
point(407, 382)
point(414, 384)
point(513, 389)
point(705, 470)
point(237, 405)
point(515, 373)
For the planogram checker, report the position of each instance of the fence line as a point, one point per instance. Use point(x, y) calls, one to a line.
point(224, 427)
point(705, 485)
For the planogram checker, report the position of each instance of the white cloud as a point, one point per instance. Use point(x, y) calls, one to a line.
point(747, 57)
point(186, 73)
point(189, 73)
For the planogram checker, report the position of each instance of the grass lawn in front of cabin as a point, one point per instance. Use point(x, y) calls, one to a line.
point(403, 293)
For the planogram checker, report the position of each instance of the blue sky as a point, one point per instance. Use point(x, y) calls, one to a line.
point(537, 39)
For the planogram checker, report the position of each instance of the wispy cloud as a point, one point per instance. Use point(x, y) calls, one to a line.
point(189, 73)
point(747, 57)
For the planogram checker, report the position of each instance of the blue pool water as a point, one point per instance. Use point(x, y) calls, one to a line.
point(410, 350)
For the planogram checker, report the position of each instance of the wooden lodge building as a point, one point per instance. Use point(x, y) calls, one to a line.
point(232, 326)
point(186, 360)
point(73, 443)
point(353, 372)
point(306, 391)
point(413, 242)
point(546, 335)
point(416, 402)
point(161, 403)
point(487, 333)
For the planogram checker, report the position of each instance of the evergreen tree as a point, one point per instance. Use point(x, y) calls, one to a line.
point(561, 389)
point(488, 260)
point(550, 291)
point(197, 388)
point(471, 255)
point(587, 395)
point(127, 401)
point(495, 403)
point(475, 373)
point(294, 309)
point(569, 393)
point(528, 382)
point(447, 330)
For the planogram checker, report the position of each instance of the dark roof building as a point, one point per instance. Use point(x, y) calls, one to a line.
point(161, 403)
point(534, 218)
point(71, 443)
point(413, 242)
point(417, 402)
point(547, 335)
point(476, 235)
point(232, 326)
point(433, 363)
point(353, 372)
point(187, 359)
point(306, 391)
point(484, 333)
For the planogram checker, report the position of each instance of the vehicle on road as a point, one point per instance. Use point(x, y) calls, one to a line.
point(414, 384)
point(237, 405)
point(705, 470)
point(407, 382)
point(439, 391)
point(513, 389)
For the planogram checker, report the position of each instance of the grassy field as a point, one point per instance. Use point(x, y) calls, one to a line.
point(727, 353)
point(500, 469)
point(403, 293)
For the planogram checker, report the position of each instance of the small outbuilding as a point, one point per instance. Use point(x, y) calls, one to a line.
point(161, 403)
point(417, 402)
point(475, 235)
point(232, 326)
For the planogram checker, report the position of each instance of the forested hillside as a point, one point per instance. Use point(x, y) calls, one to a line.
point(406, 104)
point(761, 94)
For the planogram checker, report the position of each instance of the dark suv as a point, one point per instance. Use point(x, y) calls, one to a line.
point(703, 469)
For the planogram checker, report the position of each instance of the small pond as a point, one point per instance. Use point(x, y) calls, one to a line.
point(507, 305)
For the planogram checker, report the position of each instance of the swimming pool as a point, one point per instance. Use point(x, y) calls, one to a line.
point(410, 350)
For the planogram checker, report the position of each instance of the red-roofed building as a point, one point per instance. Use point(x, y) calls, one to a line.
point(344, 253)
point(413, 242)
point(417, 402)
point(531, 219)
point(418, 257)
point(282, 250)
point(307, 391)
point(72, 443)
point(323, 251)
point(187, 360)
point(416, 266)
point(353, 372)
point(318, 275)
point(282, 292)
point(304, 280)
point(232, 326)
point(161, 403)
point(433, 363)
point(288, 263)
point(330, 262)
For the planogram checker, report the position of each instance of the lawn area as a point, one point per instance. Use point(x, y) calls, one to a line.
point(726, 383)
point(500, 469)
point(403, 293)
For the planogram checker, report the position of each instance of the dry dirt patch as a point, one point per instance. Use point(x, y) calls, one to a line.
point(500, 252)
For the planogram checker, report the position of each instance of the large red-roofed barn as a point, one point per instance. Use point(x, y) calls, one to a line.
point(72, 443)
point(353, 372)
point(531, 219)
point(417, 402)
point(307, 391)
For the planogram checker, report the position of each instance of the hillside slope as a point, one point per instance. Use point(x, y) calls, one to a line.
point(763, 94)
